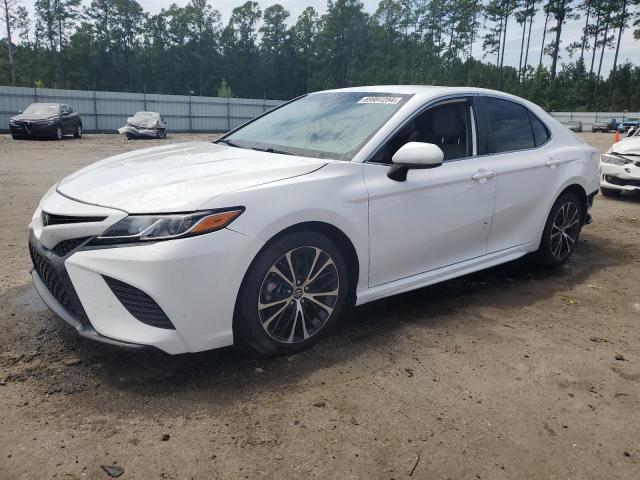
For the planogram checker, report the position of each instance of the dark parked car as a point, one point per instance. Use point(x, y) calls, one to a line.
point(42, 120)
point(573, 125)
point(629, 123)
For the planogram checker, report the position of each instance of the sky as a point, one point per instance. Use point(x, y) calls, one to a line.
point(629, 48)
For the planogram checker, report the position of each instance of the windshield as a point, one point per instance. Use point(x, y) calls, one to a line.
point(321, 125)
point(41, 109)
point(146, 116)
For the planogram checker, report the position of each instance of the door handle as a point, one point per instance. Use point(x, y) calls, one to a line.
point(481, 177)
point(553, 162)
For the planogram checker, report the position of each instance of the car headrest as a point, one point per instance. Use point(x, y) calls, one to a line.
point(447, 123)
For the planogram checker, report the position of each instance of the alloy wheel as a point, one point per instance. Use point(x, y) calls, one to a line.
point(298, 294)
point(79, 131)
point(565, 230)
point(59, 133)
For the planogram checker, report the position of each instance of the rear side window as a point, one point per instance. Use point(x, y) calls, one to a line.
point(509, 126)
point(540, 132)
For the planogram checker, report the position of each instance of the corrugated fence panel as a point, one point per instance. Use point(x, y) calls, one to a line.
point(589, 118)
point(107, 111)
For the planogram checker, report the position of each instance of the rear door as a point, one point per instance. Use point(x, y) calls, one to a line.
point(528, 171)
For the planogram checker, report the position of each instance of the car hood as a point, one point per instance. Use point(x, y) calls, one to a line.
point(626, 146)
point(34, 117)
point(178, 178)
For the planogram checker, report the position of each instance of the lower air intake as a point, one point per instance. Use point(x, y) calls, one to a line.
point(139, 304)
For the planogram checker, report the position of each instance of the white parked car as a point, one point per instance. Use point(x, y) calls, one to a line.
point(620, 166)
point(335, 198)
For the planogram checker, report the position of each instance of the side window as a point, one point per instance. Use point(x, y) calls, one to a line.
point(509, 126)
point(540, 132)
point(448, 126)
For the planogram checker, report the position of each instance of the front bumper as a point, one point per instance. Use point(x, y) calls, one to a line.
point(137, 132)
point(84, 329)
point(620, 177)
point(194, 281)
point(26, 129)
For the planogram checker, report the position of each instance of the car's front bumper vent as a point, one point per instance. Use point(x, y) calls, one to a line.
point(623, 182)
point(50, 277)
point(139, 304)
point(53, 219)
point(65, 247)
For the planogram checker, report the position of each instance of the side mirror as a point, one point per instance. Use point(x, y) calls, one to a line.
point(66, 113)
point(414, 155)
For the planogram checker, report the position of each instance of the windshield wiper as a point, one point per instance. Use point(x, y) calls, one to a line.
point(230, 143)
point(271, 150)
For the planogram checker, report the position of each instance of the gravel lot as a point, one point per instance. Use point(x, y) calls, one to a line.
point(509, 373)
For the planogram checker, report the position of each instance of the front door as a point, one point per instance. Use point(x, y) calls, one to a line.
point(437, 217)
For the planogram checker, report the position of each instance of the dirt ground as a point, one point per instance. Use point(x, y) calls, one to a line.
point(509, 373)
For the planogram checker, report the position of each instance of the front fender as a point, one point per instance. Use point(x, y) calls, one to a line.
point(335, 195)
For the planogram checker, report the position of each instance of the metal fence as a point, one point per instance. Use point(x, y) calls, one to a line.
point(589, 118)
point(107, 111)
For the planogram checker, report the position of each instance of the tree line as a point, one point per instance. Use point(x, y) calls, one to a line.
point(115, 45)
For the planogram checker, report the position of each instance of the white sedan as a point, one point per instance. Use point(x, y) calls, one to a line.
point(620, 166)
point(336, 198)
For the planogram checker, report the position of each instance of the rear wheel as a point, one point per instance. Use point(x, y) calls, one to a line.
point(610, 192)
point(561, 231)
point(292, 294)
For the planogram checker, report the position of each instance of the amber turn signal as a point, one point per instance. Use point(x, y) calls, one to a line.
point(215, 222)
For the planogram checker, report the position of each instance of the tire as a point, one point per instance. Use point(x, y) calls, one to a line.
point(164, 133)
point(78, 132)
point(610, 192)
point(16, 137)
point(274, 315)
point(560, 227)
point(58, 135)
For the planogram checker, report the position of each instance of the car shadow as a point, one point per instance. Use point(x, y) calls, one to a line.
point(226, 375)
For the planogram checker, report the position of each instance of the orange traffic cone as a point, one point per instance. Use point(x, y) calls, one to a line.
point(616, 137)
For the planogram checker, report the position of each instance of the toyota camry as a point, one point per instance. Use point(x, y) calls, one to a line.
point(334, 199)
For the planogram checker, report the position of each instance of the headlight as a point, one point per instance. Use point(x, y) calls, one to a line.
point(47, 122)
point(13, 122)
point(142, 228)
point(614, 159)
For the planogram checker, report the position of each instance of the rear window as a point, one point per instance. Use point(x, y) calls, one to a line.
point(509, 125)
point(540, 132)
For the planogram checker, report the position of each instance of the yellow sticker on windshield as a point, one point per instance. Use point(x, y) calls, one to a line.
point(391, 100)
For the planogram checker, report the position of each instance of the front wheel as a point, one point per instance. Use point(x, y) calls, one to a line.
point(58, 133)
point(78, 132)
point(292, 294)
point(561, 231)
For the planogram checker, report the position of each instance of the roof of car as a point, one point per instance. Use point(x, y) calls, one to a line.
point(147, 113)
point(416, 89)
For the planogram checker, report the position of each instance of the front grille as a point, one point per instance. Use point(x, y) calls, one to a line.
point(139, 304)
point(50, 277)
point(65, 247)
point(622, 181)
point(53, 219)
